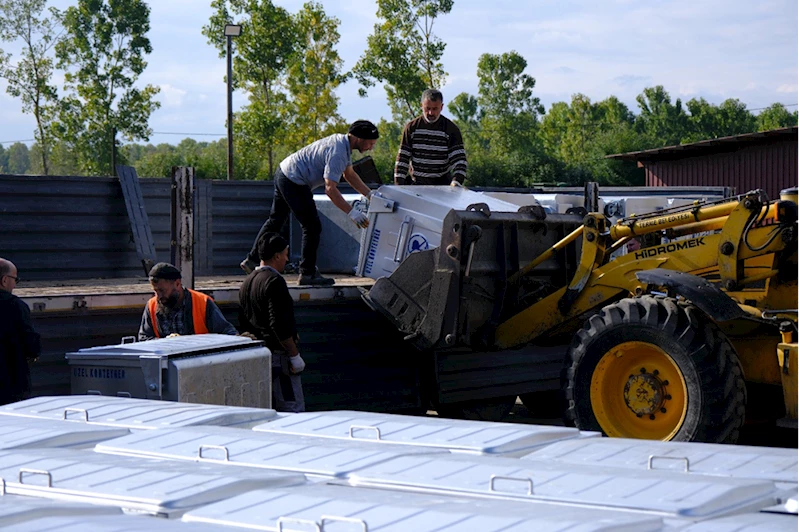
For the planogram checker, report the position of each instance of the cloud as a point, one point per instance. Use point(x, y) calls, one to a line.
point(628, 80)
point(791, 89)
point(564, 70)
point(172, 96)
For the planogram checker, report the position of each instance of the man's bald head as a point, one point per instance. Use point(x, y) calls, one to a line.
point(8, 275)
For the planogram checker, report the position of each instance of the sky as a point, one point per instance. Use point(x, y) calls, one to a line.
point(715, 49)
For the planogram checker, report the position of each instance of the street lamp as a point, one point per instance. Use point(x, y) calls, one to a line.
point(231, 30)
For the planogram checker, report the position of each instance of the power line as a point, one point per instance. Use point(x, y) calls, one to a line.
point(15, 141)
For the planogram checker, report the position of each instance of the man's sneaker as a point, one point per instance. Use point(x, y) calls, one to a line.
point(314, 279)
point(248, 266)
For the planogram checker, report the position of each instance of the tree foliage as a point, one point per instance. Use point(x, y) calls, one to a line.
point(313, 76)
point(263, 53)
point(103, 53)
point(404, 54)
point(29, 79)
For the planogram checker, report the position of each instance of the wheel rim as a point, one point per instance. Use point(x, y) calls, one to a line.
point(638, 391)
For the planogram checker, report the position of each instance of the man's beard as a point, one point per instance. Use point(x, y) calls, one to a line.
point(168, 305)
point(424, 117)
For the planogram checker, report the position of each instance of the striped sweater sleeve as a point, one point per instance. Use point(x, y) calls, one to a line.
point(402, 164)
point(457, 155)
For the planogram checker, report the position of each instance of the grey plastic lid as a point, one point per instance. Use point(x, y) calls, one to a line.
point(662, 492)
point(22, 433)
point(169, 347)
point(237, 447)
point(134, 413)
point(478, 437)
point(737, 461)
point(155, 487)
point(15, 510)
point(334, 508)
point(752, 522)
point(123, 523)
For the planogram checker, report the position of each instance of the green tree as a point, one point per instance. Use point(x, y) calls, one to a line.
point(313, 76)
point(663, 123)
point(19, 161)
point(708, 121)
point(103, 52)
point(509, 111)
point(3, 160)
point(29, 78)
point(775, 116)
point(264, 51)
point(404, 54)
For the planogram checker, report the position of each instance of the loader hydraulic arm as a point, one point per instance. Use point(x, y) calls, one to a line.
point(750, 227)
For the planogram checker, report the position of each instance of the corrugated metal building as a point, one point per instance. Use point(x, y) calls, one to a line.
point(766, 160)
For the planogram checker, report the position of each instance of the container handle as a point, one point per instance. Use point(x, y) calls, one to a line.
point(124, 394)
point(296, 521)
point(2, 487)
point(494, 478)
point(353, 520)
point(217, 447)
point(79, 411)
point(683, 459)
point(94, 392)
point(34, 472)
point(128, 340)
point(402, 240)
point(353, 428)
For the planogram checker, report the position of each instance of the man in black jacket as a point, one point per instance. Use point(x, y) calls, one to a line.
point(267, 312)
point(19, 343)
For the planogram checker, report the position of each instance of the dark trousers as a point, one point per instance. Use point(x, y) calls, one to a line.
point(297, 199)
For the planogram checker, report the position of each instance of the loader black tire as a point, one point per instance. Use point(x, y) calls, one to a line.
point(651, 332)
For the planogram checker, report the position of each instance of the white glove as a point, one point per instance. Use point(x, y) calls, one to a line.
point(455, 183)
point(359, 218)
point(297, 363)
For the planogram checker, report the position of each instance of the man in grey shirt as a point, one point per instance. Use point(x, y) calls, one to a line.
point(320, 163)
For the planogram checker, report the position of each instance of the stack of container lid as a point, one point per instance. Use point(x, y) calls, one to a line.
point(85, 463)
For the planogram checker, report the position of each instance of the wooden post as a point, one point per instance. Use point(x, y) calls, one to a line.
point(182, 223)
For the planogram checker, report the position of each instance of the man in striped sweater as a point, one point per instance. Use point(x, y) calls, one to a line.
point(431, 151)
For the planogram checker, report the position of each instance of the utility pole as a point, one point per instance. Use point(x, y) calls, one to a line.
point(231, 30)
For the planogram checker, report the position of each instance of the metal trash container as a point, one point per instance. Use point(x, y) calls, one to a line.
point(205, 368)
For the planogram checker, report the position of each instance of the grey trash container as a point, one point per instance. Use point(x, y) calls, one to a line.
point(205, 368)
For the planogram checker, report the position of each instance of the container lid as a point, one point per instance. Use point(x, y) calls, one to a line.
point(15, 510)
point(321, 507)
point(451, 434)
point(21, 433)
point(106, 523)
point(759, 522)
point(239, 447)
point(194, 344)
point(155, 487)
point(714, 459)
point(661, 492)
point(134, 413)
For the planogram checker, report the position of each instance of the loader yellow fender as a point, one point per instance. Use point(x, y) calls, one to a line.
point(638, 391)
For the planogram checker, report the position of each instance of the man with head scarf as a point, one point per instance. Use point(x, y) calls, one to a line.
point(323, 162)
point(431, 150)
point(175, 310)
point(267, 313)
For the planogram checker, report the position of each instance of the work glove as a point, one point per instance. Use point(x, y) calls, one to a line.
point(359, 218)
point(455, 183)
point(297, 363)
point(173, 335)
point(249, 335)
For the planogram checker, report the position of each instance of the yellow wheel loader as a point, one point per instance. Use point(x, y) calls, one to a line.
point(668, 341)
